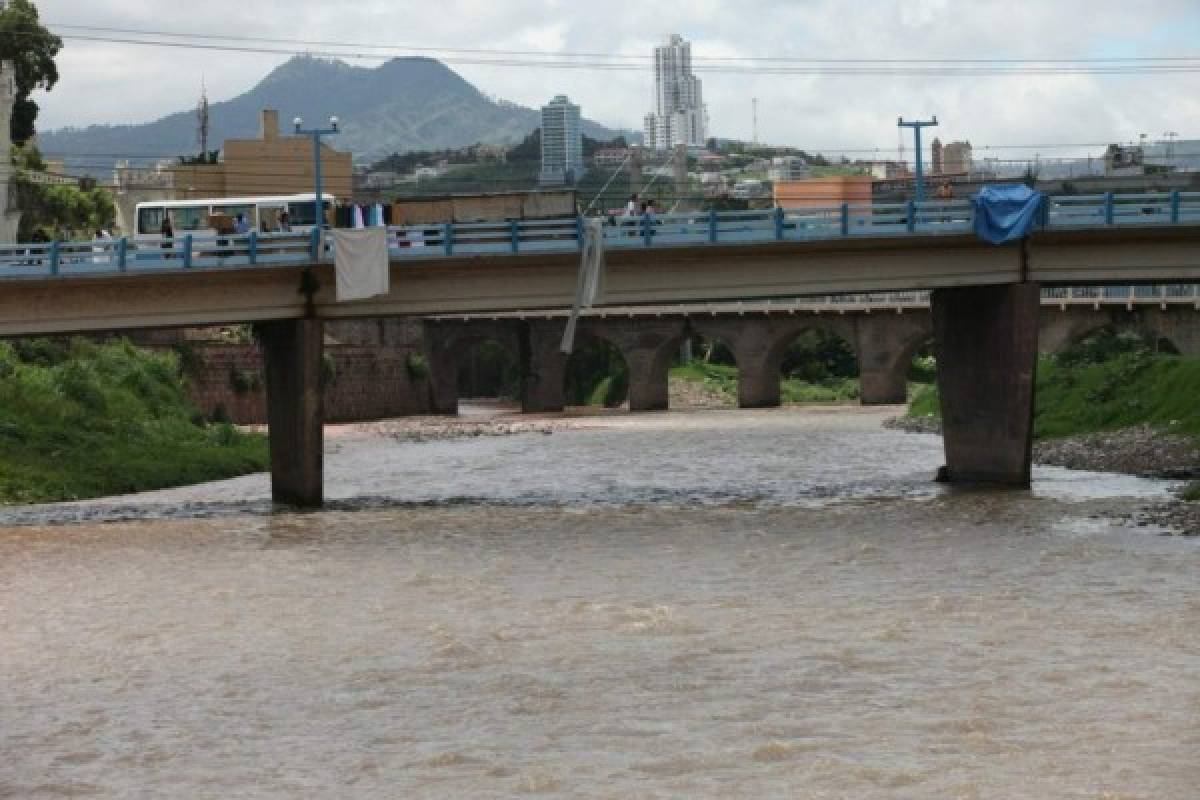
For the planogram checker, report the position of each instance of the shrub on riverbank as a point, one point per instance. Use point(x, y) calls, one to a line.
point(78, 420)
point(722, 379)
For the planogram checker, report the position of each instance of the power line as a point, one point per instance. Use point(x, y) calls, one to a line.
point(623, 57)
point(864, 67)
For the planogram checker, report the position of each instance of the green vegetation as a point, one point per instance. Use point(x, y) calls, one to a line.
point(722, 379)
point(717, 378)
point(597, 375)
point(1109, 381)
point(79, 419)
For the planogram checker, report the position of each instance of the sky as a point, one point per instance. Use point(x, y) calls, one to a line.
point(1015, 115)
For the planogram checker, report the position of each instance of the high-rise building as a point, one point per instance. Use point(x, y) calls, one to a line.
point(562, 142)
point(679, 116)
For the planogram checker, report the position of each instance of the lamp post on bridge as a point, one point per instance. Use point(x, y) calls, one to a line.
point(316, 134)
point(916, 125)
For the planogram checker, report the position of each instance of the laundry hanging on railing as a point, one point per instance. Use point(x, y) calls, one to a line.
point(590, 289)
point(1006, 213)
point(360, 259)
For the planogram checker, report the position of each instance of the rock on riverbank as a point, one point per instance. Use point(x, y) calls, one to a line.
point(1142, 450)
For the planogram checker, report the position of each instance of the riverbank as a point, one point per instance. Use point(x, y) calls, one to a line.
point(81, 420)
point(1131, 412)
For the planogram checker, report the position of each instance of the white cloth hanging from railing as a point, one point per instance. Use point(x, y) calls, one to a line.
point(590, 289)
point(360, 259)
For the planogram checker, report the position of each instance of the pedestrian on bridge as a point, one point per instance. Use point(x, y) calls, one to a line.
point(167, 231)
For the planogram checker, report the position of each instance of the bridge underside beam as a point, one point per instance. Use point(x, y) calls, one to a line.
point(292, 357)
point(986, 344)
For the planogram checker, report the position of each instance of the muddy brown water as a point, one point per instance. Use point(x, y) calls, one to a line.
point(722, 604)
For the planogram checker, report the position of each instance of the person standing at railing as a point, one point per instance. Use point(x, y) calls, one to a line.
point(167, 231)
point(648, 218)
point(285, 223)
point(241, 227)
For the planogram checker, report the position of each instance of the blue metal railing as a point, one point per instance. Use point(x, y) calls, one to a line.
point(200, 251)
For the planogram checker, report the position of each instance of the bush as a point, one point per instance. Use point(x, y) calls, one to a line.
point(416, 366)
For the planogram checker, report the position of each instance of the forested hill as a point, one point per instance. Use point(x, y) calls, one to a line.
point(404, 104)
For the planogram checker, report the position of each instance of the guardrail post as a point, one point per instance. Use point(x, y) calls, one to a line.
point(123, 254)
point(187, 251)
point(314, 244)
point(712, 226)
point(579, 230)
point(1108, 208)
point(54, 257)
point(252, 247)
point(448, 238)
point(910, 216)
point(1175, 207)
point(514, 229)
point(778, 224)
point(845, 219)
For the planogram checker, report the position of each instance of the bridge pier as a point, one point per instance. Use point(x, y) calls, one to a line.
point(292, 352)
point(882, 387)
point(986, 343)
point(543, 367)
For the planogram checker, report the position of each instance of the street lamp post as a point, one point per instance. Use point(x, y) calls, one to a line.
point(316, 134)
point(916, 126)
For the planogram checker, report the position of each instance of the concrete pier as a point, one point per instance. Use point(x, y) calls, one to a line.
point(292, 359)
point(986, 340)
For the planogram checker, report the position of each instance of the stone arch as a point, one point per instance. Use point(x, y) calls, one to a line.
point(789, 334)
point(887, 344)
point(446, 341)
point(648, 346)
point(1062, 330)
point(588, 341)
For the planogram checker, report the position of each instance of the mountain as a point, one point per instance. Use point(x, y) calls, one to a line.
point(404, 104)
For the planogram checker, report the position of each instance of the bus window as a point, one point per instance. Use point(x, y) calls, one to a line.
point(303, 213)
point(149, 220)
point(232, 211)
point(194, 218)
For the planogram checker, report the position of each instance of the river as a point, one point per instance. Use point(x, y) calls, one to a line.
point(711, 604)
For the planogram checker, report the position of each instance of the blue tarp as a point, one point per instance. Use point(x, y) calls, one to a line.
point(1006, 213)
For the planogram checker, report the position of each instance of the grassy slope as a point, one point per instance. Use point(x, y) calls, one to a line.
point(91, 420)
point(1130, 389)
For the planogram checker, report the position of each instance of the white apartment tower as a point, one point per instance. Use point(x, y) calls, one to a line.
point(562, 143)
point(679, 117)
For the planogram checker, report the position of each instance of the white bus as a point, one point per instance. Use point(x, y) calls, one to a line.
point(262, 214)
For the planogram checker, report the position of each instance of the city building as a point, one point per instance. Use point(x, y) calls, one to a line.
point(562, 143)
point(788, 168)
point(956, 159)
point(937, 163)
point(136, 184)
point(269, 165)
point(680, 117)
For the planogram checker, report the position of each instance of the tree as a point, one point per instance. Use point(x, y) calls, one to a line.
point(31, 48)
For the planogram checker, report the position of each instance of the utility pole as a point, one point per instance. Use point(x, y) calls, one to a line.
point(916, 126)
point(754, 105)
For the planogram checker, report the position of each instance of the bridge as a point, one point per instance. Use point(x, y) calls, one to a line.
point(985, 299)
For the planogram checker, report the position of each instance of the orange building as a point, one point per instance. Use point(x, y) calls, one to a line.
point(823, 192)
point(269, 165)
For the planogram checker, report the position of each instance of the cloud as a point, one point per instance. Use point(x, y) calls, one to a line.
point(119, 84)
